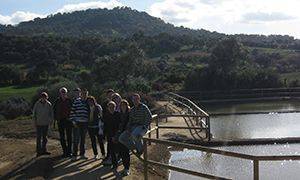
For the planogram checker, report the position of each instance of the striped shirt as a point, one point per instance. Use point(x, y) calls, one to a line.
point(139, 116)
point(79, 111)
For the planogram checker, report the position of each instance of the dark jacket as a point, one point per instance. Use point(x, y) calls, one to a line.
point(61, 109)
point(124, 118)
point(104, 106)
point(94, 122)
point(111, 123)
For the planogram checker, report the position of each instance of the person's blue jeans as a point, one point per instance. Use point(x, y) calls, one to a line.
point(132, 139)
point(79, 134)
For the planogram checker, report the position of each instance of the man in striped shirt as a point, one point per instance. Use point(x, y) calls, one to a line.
point(79, 116)
point(138, 124)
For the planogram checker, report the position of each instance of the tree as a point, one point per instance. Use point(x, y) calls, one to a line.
point(227, 55)
point(10, 75)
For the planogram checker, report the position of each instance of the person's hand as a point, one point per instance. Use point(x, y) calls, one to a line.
point(75, 125)
point(53, 126)
point(114, 140)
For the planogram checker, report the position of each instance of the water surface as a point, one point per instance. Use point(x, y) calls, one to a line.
point(269, 125)
point(235, 168)
point(247, 126)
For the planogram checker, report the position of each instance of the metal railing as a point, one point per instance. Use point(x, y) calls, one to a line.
point(148, 140)
point(200, 118)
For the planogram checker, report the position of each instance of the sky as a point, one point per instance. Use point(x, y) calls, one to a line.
point(225, 16)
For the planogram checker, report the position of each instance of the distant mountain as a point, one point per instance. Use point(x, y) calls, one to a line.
point(124, 22)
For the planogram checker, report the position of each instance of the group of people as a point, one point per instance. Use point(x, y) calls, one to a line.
point(115, 122)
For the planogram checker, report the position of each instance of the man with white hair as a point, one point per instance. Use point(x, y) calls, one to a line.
point(62, 108)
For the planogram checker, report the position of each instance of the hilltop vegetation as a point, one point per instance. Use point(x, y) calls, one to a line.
point(133, 51)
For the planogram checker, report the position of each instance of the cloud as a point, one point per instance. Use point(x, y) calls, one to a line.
point(266, 17)
point(18, 16)
point(21, 16)
point(90, 5)
point(232, 16)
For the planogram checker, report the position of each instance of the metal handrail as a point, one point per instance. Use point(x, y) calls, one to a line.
point(255, 159)
point(190, 102)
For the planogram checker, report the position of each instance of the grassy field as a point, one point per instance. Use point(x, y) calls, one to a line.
point(291, 76)
point(25, 92)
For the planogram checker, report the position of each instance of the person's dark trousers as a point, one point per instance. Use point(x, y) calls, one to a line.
point(112, 148)
point(79, 134)
point(41, 139)
point(65, 130)
point(94, 135)
point(124, 153)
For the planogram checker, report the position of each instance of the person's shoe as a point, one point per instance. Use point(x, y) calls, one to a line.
point(107, 162)
point(74, 158)
point(119, 161)
point(96, 157)
point(83, 157)
point(102, 157)
point(38, 154)
point(106, 158)
point(125, 172)
point(114, 167)
point(64, 156)
point(69, 156)
point(46, 153)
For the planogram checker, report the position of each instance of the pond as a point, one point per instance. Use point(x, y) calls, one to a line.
point(270, 124)
point(235, 168)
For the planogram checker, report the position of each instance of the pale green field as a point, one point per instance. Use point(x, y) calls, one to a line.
point(10, 91)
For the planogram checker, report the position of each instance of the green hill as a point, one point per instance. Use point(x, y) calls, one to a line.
point(118, 22)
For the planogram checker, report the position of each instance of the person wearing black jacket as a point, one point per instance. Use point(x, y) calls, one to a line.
point(94, 123)
point(61, 109)
point(123, 150)
point(111, 126)
point(108, 98)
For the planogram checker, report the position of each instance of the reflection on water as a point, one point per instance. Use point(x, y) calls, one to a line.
point(236, 168)
point(256, 126)
point(272, 125)
point(267, 106)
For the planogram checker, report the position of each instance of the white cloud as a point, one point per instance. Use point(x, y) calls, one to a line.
point(232, 16)
point(266, 17)
point(18, 16)
point(90, 5)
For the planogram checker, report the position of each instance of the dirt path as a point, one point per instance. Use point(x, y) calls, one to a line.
point(54, 167)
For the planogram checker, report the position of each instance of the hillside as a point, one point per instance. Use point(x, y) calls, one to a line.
point(118, 22)
point(124, 22)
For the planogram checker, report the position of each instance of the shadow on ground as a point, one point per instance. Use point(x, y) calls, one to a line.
point(57, 168)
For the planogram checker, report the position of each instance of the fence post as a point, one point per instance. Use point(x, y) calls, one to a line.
point(157, 129)
point(149, 135)
point(208, 128)
point(145, 159)
point(255, 169)
point(166, 110)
